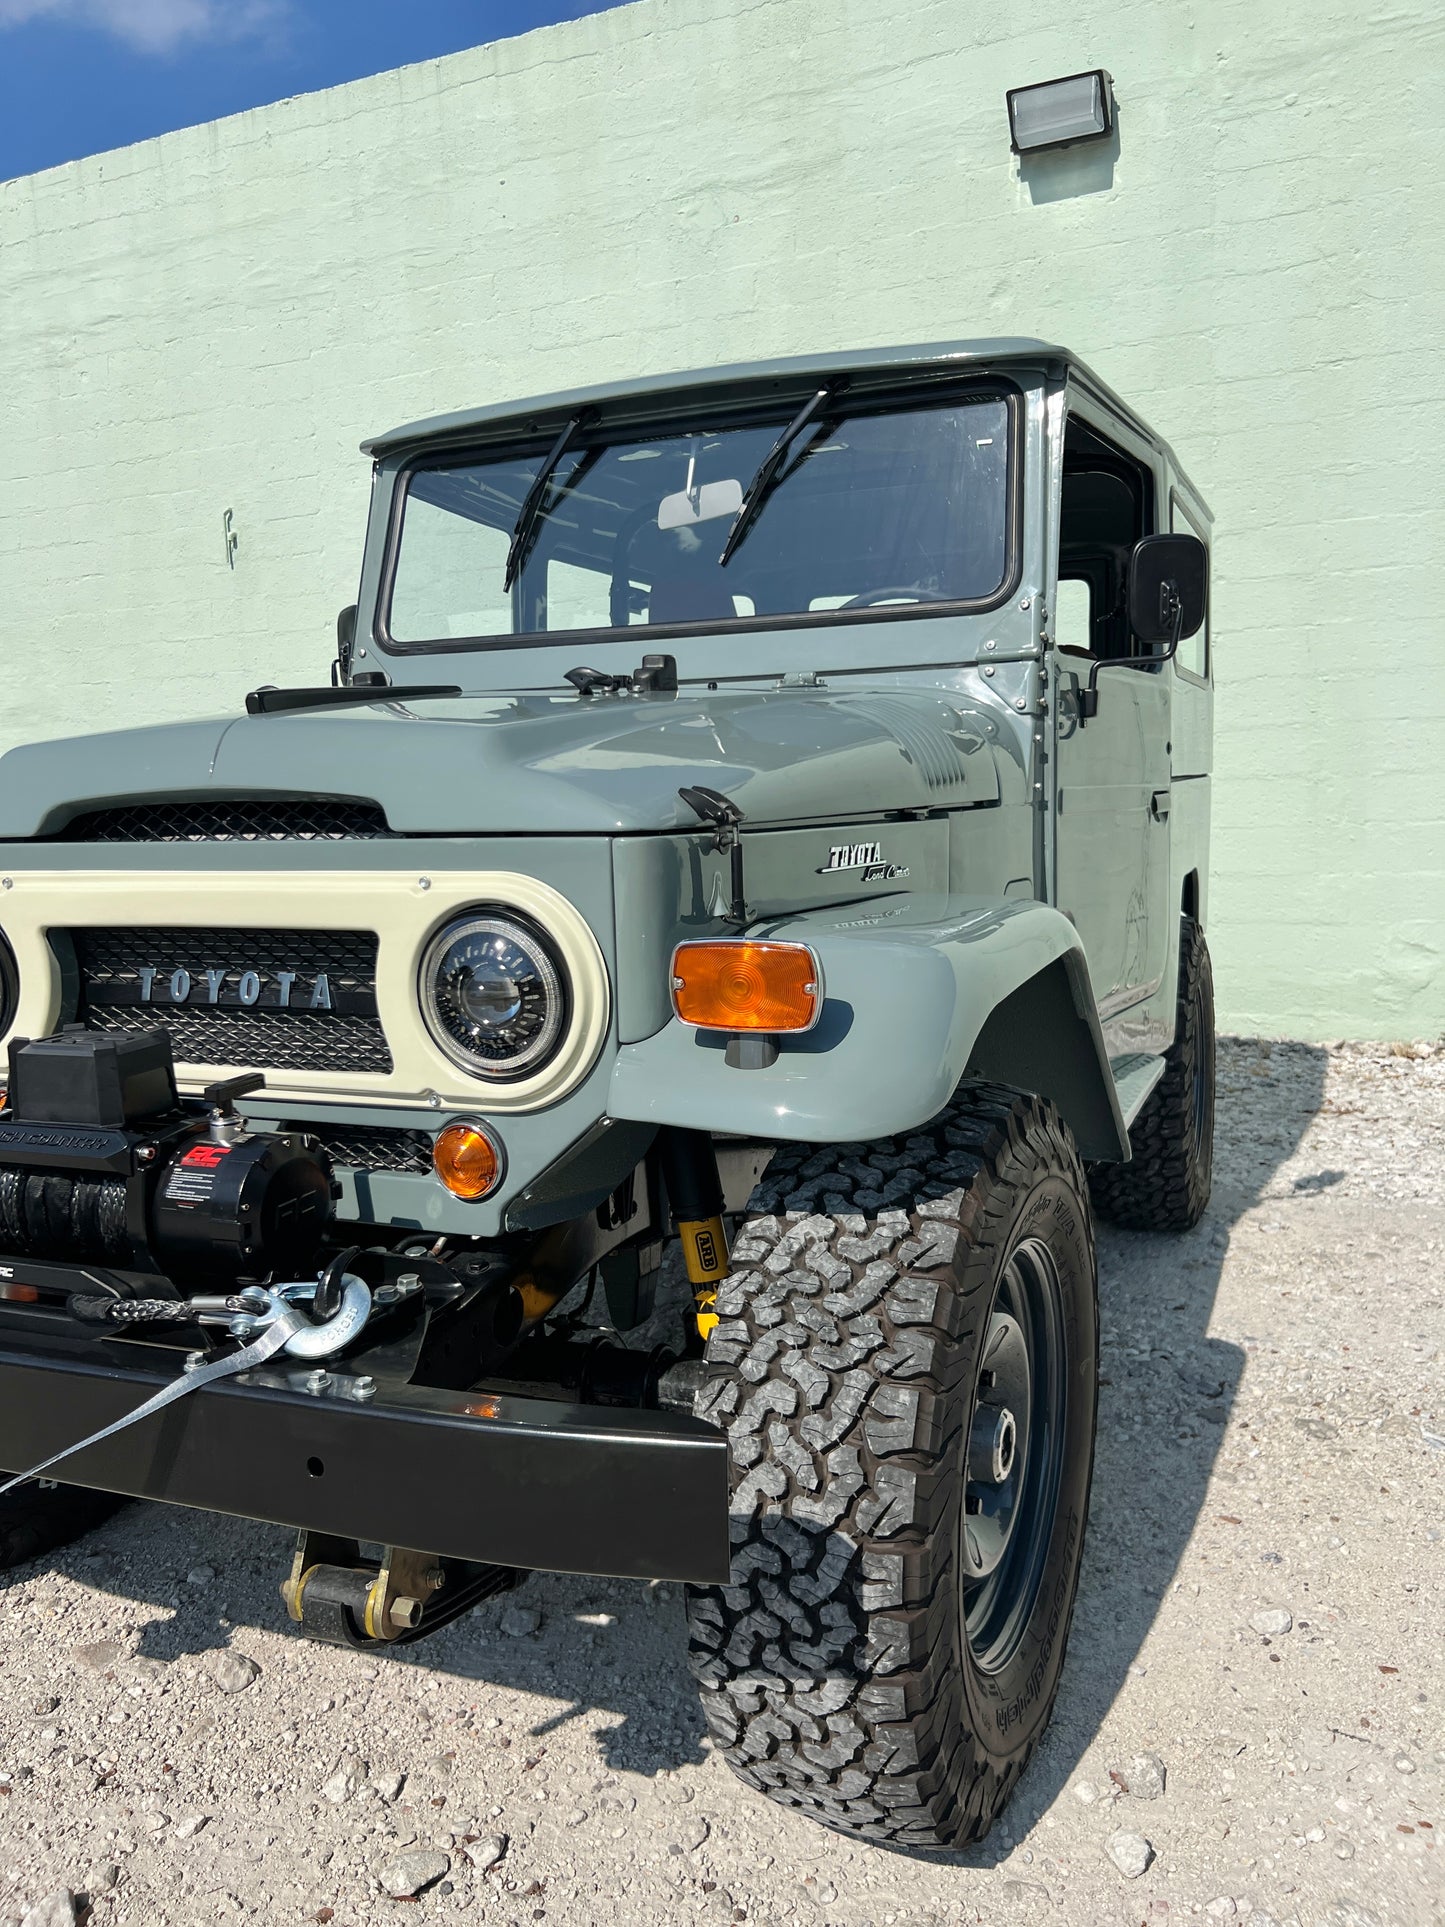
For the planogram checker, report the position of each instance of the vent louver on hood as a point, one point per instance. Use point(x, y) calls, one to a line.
point(229, 820)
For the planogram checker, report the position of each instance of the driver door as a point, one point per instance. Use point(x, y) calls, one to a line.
point(1111, 770)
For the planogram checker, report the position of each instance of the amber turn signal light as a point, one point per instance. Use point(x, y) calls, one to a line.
point(734, 985)
point(468, 1160)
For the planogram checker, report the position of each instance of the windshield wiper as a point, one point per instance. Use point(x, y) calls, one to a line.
point(770, 471)
point(274, 702)
point(532, 502)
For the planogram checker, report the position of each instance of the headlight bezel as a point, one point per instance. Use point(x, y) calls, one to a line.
point(542, 953)
point(9, 988)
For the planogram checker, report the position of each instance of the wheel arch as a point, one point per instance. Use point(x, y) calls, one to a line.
point(1045, 1037)
point(919, 995)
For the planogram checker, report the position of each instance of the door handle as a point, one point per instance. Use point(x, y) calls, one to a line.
point(1159, 806)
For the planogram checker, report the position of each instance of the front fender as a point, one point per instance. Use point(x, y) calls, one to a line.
point(919, 993)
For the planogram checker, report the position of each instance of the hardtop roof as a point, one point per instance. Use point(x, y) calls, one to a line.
point(944, 357)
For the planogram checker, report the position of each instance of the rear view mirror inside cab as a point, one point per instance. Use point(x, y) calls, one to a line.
point(708, 502)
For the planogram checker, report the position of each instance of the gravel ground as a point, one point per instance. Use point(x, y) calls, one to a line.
point(1250, 1722)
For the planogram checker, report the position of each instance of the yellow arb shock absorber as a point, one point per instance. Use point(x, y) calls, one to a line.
point(705, 1252)
point(689, 1170)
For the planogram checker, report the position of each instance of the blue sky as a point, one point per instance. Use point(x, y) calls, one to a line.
point(80, 76)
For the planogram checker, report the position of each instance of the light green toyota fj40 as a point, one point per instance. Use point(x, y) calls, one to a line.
point(766, 809)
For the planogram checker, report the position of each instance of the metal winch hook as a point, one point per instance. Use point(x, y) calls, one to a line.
point(336, 1332)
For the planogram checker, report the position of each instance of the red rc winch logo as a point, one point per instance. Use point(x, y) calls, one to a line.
point(206, 1156)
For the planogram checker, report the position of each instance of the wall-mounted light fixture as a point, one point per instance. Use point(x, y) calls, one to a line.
point(1060, 113)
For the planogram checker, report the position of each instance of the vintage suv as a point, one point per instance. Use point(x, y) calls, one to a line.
point(766, 808)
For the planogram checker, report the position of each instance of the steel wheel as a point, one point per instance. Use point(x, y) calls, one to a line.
point(1015, 1452)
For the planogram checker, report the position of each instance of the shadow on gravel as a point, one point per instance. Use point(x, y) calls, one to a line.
point(617, 1648)
point(599, 1646)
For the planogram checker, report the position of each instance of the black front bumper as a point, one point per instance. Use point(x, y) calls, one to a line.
point(488, 1476)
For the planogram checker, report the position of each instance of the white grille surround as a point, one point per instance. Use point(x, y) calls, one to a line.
point(404, 908)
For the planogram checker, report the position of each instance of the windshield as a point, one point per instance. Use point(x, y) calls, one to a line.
point(882, 508)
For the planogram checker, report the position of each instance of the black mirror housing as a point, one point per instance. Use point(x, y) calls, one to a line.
point(1168, 584)
point(345, 645)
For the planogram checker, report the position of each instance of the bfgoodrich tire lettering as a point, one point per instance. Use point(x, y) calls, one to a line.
point(837, 1670)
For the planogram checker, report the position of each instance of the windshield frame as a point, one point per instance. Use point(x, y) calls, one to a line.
point(687, 417)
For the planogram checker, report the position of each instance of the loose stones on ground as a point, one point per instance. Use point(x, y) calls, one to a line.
point(1130, 1853)
point(347, 1780)
point(689, 1835)
point(99, 1658)
point(487, 1851)
point(233, 1672)
point(406, 1875)
point(56, 1910)
point(1144, 1777)
point(1272, 1621)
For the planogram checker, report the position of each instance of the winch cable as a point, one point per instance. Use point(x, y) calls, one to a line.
point(286, 1327)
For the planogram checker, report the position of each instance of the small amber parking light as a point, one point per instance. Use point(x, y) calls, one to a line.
point(468, 1160)
point(734, 985)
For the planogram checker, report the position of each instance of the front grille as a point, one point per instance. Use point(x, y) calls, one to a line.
point(247, 1038)
point(299, 1000)
point(241, 819)
point(371, 1147)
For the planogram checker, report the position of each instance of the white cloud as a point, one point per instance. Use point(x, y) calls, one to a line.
point(155, 26)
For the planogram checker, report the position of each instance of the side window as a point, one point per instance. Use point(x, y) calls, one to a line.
point(1074, 617)
point(577, 598)
point(1194, 650)
point(1107, 504)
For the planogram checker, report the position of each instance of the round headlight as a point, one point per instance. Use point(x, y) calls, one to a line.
point(493, 995)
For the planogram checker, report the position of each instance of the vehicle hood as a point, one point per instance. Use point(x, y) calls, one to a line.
point(531, 763)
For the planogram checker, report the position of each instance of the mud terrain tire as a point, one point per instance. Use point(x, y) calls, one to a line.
point(852, 1669)
point(1165, 1185)
point(36, 1519)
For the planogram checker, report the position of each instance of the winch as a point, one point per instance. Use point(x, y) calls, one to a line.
point(102, 1162)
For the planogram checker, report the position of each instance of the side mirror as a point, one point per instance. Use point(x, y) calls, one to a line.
point(1168, 588)
point(345, 644)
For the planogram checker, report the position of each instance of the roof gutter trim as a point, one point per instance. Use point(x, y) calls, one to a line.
point(960, 356)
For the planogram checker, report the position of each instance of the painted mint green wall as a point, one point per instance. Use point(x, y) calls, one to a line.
point(213, 320)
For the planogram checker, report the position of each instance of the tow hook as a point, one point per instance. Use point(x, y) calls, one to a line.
point(335, 1595)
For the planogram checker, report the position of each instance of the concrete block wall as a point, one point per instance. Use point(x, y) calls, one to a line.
point(212, 321)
